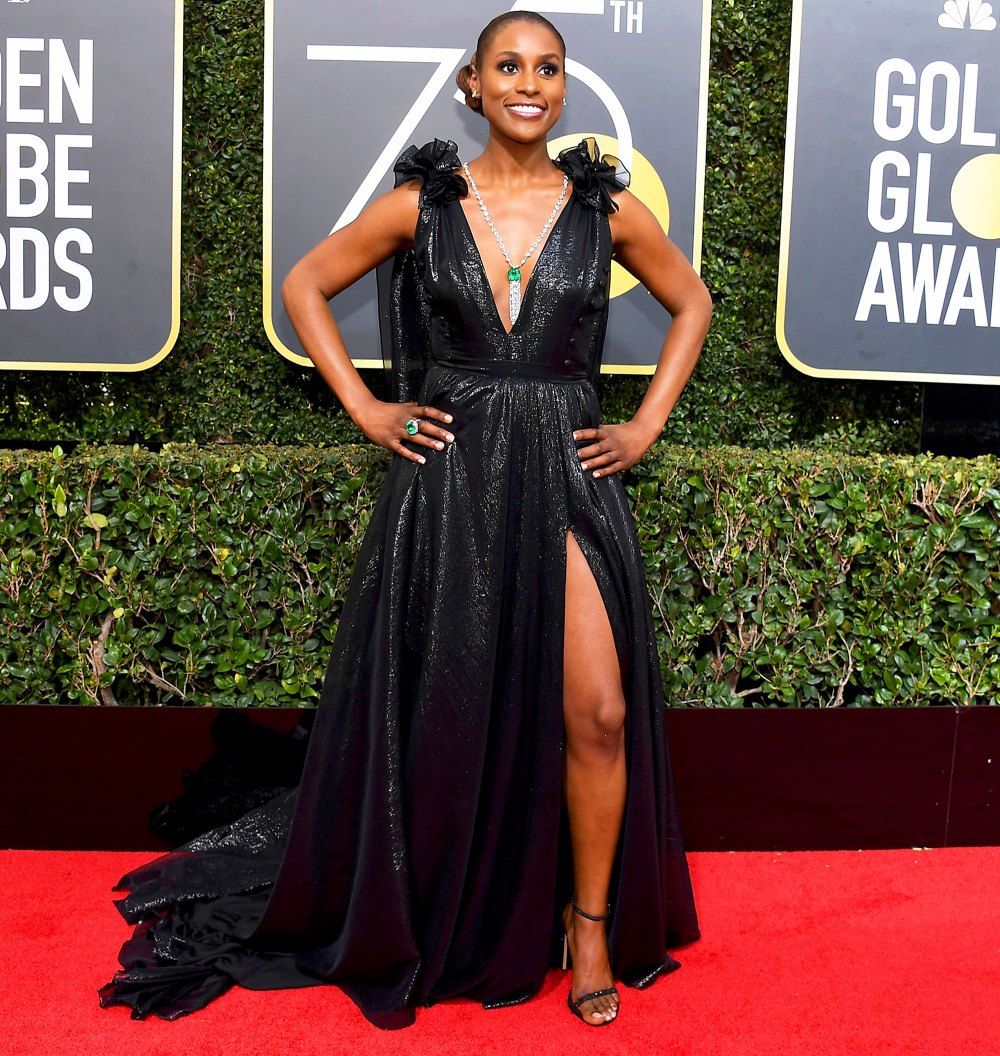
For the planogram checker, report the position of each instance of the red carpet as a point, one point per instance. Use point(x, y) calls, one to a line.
point(894, 952)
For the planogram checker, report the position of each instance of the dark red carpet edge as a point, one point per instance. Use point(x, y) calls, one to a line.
point(845, 953)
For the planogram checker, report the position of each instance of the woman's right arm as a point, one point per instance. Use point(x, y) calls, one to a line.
point(385, 228)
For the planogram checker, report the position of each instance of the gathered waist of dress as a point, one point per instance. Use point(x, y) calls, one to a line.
point(513, 368)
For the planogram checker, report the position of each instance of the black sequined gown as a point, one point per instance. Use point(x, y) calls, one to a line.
point(424, 855)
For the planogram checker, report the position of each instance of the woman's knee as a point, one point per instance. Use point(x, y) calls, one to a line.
point(599, 726)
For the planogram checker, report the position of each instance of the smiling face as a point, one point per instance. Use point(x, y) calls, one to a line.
point(521, 77)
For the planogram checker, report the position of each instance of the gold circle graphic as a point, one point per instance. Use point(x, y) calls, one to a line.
point(645, 184)
point(975, 196)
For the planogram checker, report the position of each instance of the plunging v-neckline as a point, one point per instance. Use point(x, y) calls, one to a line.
point(529, 284)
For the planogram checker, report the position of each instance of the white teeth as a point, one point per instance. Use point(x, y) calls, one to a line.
point(526, 109)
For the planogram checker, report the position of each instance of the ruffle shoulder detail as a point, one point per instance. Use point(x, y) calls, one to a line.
point(595, 179)
point(434, 164)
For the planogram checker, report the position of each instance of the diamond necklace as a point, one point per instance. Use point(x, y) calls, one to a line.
point(514, 270)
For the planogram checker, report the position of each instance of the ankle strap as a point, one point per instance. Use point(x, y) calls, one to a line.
point(588, 916)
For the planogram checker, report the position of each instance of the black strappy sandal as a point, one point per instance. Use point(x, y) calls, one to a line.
point(574, 1006)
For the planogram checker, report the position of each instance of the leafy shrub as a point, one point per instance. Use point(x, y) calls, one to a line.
point(198, 576)
point(184, 577)
point(809, 579)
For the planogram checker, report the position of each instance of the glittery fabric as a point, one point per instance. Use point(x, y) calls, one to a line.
point(424, 856)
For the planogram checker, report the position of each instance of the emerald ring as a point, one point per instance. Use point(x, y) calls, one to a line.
point(412, 426)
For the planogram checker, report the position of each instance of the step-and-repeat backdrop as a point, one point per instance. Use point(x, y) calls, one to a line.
point(890, 256)
point(90, 109)
point(890, 261)
point(350, 86)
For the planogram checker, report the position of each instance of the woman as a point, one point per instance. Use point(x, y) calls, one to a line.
point(495, 661)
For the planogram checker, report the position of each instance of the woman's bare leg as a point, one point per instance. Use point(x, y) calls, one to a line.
point(594, 713)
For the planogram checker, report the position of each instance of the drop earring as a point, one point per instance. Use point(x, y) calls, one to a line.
point(475, 95)
point(564, 100)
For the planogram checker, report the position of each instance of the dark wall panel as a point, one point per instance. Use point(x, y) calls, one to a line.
point(88, 778)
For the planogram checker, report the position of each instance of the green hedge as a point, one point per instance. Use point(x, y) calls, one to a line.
point(223, 382)
point(204, 576)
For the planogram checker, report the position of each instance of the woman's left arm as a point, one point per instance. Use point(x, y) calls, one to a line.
point(641, 246)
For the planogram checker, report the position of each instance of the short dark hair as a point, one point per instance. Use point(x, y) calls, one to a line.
point(492, 28)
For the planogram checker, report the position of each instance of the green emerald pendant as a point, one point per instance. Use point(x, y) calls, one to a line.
point(514, 275)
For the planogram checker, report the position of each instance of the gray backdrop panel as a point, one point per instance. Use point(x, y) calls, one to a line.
point(131, 319)
point(330, 120)
point(828, 241)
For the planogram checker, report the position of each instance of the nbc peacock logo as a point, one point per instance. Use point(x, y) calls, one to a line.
point(967, 14)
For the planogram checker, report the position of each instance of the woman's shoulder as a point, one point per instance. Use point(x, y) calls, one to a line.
point(595, 178)
point(435, 166)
